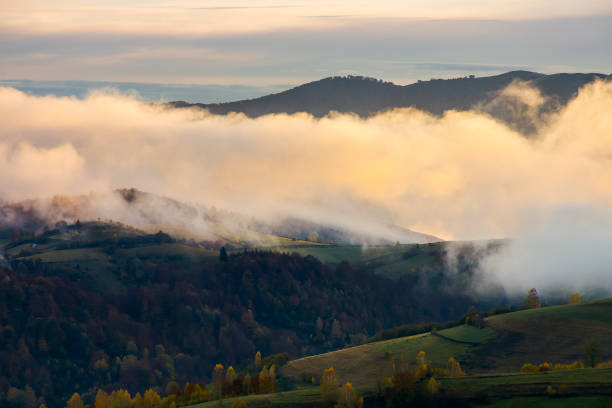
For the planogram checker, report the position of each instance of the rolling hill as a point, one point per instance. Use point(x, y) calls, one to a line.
point(218, 227)
point(366, 366)
point(142, 309)
point(103, 304)
point(555, 334)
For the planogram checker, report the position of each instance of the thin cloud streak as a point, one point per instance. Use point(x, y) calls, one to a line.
point(398, 50)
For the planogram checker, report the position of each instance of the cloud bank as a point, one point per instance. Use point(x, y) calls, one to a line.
point(459, 176)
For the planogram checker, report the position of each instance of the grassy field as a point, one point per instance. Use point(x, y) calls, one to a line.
point(468, 334)
point(169, 249)
point(475, 383)
point(307, 395)
point(367, 364)
point(390, 261)
point(80, 255)
point(339, 253)
point(529, 390)
point(598, 311)
point(554, 334)
point(546, 402)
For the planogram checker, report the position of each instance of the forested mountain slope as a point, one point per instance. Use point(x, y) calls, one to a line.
point(367, 96)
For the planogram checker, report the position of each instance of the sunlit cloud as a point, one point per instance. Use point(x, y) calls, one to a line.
point(463, 175)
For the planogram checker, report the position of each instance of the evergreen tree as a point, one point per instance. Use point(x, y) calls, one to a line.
point(593, 352)
point(222, 255)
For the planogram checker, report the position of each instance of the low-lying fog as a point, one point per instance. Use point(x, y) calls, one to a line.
point(460, 176)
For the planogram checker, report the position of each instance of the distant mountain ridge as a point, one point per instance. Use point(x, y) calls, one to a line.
point(367, 96)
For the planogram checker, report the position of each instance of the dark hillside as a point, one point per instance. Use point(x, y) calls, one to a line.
point(367, 96)
point(84, 308)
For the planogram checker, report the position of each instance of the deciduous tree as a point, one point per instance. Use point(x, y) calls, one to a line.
point(257, 362)
point(217, 380)
point(348, 398)
point(433, 386)
point(75, 401)
point(575, 299)
point(329, 384)
point(532, 301)
point(230, 375)
point(420, 359)
point(454, 368)
point(102, 400)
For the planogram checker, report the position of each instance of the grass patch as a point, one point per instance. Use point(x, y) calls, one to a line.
point(169, 249)
point(545, 402)
point(77, 255)
point(367, 364)
point(556, 334)
point(599, 311)
point(468, 334)
point(303, 396)
point(389, 260)
point(484, 381)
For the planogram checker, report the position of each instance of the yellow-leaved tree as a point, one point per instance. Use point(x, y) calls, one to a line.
point(348, 397)
point(420, 359)
point(266, 385)
point(454, 368)
point(258, 362)
point(532, 301)
point(329, 385)
point(230, 376)
point(433, 386)
point(120, 399)
point(218, 376)
point(246, 384)
point(102, 400)
point(75, 401)
point(576, 299)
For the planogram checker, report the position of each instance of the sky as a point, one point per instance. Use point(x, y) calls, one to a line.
point(267, 43)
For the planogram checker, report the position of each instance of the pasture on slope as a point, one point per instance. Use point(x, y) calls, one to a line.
point(554, 334)
point(367, 364)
